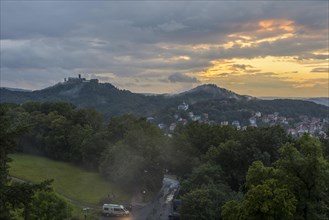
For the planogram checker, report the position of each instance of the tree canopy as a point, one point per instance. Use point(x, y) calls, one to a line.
point(14, 195)
point(225, 173)
point(295, 187)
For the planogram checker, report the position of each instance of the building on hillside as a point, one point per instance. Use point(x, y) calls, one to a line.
point(196, 118)
point(79, 79)
point(224, 123)
point(150, 119)
point(253, 121)
point(182, 121)
point(236, 124)
point(183, 106)
point(162, 126)
point(258, 114)
point(172, 127)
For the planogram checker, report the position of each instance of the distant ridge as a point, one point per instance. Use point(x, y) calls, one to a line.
point(218, 103)
point(16, 89)
point(318, 100)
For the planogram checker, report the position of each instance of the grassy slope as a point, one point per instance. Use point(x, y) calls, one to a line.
point(70, 181)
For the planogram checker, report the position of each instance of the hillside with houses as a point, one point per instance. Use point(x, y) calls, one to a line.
point(204, 104)
point(295, 126)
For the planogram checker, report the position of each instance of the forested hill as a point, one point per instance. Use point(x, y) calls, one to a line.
point(220, 104)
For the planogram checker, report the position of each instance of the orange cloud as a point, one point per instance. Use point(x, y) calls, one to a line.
point(266, 31)
point(276, 24)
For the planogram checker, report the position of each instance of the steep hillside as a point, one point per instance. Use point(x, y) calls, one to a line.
point(218, 103)
point(210, 91)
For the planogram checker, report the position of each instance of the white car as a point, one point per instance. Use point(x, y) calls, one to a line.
point(114, 210)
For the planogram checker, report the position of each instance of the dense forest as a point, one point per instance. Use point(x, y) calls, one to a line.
point(225, 173)
point(259, 173)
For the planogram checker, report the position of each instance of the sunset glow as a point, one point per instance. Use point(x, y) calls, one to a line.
point(266, 49)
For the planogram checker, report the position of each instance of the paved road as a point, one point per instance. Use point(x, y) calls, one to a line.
point(158, 209)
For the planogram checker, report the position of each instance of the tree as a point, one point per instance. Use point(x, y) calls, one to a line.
point(61, 108)
point(13, 195)
point(56, 140)
point(203, 176)
point(295, 188)
point(204, 203)
point(258, 173)
point(49, 206)
point(203, 136)
point(20, 195)
point(204, 193)
point(8, 141)
point(197, 205)
point(268, 140)
point(267, 201)
point(182, 156)
point(121, 165)
point(234, 159)
point(87, 116)
point(134, 156)
point(232, 210)
point(77, 137)
point(306, 172)
point(92, 148)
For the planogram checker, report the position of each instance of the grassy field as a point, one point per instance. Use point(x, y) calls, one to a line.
point(70, 181)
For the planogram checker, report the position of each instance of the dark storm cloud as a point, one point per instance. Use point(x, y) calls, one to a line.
point(35, 19)
point(179, 77)
point(184, 22)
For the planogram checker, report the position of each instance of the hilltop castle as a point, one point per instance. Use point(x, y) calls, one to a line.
point(79, 79)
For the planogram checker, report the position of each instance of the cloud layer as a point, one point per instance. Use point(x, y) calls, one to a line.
point(161, 45)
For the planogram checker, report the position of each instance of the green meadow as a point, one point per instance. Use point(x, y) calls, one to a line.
point(74, 183)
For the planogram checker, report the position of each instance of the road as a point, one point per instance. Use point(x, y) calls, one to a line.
point(158, 209)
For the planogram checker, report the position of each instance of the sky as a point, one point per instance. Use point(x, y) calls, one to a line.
point(257, 48)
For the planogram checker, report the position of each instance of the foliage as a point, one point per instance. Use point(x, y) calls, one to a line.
point(135, 157)
point(203, 176)
point(295, 188)
point(191, 143)
point(63, 132)
point(234, 159)
point(269, 201)
point(49, 206)
point(204, 192)
point(13, 195)
point(8, 137)
point(307, 175)
point(258, 173)
point(122, 166)
point(286, 179)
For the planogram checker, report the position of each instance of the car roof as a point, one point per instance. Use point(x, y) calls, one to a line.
point(112, 205)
